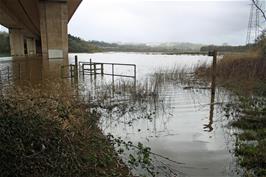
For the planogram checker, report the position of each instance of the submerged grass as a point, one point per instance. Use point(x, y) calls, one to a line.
point(248, 115)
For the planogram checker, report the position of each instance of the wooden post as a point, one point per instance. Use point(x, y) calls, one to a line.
point(213, 87)
point(101, 69)
point(213, 84)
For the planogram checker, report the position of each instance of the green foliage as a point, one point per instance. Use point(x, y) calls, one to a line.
point(138, 156)
point(260, 44)
point(31, 146)
point(4, 43)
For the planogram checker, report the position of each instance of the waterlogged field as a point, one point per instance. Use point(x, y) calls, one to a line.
point(169, 115)
point(162, 125)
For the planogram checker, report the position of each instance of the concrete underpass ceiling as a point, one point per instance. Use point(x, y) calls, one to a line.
point(24, 14)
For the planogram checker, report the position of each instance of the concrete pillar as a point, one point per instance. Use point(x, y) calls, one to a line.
point(53, 26)
point(16, 42)
point(31, 46)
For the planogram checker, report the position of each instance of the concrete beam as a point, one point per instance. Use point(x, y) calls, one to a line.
point(6, 20)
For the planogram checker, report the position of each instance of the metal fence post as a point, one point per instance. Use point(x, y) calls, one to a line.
point(102, 69)
point(135, 78)
point(95, 72)
point(113, 79)
point(71, 71)
point(90, 67)
point(62, 72)
point(76, 67)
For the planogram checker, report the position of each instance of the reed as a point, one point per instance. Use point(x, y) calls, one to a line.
point(243, 73)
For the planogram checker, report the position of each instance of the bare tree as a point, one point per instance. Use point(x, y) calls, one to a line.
point(258, 6)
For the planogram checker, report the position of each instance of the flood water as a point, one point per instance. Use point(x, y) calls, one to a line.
point(177, 125)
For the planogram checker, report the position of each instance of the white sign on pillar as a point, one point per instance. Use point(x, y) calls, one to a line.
point(55, 54)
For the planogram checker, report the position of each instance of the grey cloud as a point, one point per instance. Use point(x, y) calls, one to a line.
point(162, 21)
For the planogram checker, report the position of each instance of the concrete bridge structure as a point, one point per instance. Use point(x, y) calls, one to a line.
point(38, 26)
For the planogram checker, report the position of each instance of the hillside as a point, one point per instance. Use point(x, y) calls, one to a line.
point(78, 45)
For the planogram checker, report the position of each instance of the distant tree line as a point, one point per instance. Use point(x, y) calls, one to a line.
point(78, 45)
point(224, 48)
point(4, 43)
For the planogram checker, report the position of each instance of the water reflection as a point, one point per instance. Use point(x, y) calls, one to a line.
point(33, 70)
point(208, 127)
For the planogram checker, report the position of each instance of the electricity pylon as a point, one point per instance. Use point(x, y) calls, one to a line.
point(255, 26)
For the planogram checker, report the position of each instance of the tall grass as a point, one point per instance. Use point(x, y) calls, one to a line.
point(242, 72)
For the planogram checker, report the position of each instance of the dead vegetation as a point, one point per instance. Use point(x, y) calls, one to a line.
point(245, 73)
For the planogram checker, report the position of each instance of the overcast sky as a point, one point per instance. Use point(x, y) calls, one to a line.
point(198, 21)
point(207, 22)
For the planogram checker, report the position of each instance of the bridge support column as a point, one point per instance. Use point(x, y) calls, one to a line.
point(16, 42)
point(31, 46)
point(53, 26)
